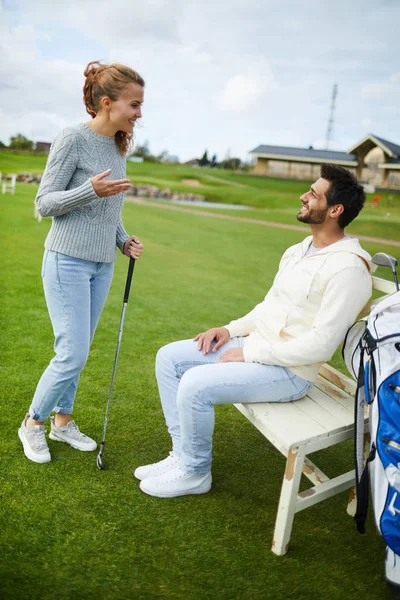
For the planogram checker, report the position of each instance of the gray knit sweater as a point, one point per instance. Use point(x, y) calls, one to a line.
point(84, 225)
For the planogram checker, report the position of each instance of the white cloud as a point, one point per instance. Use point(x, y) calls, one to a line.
point(218, 74)
point(366, 124)
point(382, 89)
point(114, 22)
point(245, 90)
point(194, 55)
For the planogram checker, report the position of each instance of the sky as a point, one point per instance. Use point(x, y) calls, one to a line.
point(221, 75)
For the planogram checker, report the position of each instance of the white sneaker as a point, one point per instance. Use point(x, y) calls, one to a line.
point(158, 468)
point(176, 483)
point(392, 572)
point(71, 435)
point(34, 442)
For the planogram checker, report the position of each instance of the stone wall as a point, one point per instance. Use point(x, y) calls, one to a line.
point(141, 190)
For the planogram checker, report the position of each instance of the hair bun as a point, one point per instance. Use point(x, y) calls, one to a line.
point(92, 68)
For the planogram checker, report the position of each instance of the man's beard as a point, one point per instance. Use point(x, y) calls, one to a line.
point(312, 217)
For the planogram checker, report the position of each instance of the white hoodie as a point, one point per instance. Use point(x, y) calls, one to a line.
point(313, 301)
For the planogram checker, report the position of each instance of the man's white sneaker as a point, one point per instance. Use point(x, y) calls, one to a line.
point(176, 483)
point(392, 572)
point(34, 442)
point(71, 435)
point(158, 468)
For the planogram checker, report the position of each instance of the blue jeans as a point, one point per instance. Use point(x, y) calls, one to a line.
point(191, 383)
point(75, 292)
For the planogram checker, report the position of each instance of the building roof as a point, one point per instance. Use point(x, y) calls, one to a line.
point(395, 148)
point(303, 153)
point(371, 140)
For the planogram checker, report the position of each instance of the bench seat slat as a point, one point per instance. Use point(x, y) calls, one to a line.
point(341, 413)
point(333, 392)
point(284, 425)
point(316, 411)
point(324, 412)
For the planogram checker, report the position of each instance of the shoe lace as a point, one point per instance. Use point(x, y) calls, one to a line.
point(171, 458)
point(39, 440)
point(74, 430)
point(174, 475)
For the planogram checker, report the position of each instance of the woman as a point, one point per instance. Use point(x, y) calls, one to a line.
point(82, 189)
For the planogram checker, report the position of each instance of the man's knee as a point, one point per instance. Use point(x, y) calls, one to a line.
point(192, 387)
point(170, 355)
point(164, 356)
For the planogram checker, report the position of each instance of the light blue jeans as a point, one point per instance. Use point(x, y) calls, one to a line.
point(191, 383)
point(75, 292)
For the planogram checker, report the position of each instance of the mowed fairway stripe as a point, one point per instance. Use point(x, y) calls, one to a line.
point(136, 200)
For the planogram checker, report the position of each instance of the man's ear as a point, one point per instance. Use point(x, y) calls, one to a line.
point(336, 210)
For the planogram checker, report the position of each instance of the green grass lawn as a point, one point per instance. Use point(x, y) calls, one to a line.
point(70, 531)
point(268, 199)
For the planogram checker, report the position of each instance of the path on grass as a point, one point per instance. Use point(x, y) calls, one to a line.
point(136, 200)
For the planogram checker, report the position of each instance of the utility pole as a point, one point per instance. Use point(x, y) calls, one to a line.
point(331, 117)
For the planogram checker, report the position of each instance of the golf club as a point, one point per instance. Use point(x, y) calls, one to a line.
point(100, 464)
point(386, 260)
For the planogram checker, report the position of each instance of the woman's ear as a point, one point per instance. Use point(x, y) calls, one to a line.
point(105, 103)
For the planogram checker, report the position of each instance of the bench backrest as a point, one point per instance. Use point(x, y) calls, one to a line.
point(340, 379)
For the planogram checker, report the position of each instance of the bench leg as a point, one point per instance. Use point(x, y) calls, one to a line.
point(287, 501)
point(352, 502)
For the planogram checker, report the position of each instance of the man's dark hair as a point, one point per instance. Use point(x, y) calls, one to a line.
point(344, 189)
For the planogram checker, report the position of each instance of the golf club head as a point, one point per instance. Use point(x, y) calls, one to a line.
point(99, 461)
point(384, 260)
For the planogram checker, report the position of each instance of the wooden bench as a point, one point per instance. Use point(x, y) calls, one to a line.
point(322, 419)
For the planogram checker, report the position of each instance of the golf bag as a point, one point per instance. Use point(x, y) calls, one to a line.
point(372, 354)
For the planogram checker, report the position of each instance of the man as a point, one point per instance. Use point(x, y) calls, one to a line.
point(272, 354)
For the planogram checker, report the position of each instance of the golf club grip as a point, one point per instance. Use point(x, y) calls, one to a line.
point(129, 278)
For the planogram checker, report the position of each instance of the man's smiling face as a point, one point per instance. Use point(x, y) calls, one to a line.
point(314, 204)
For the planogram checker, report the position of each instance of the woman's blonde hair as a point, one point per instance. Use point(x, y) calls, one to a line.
point(108, 80)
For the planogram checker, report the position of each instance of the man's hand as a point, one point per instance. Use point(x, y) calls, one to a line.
point(108, 187)
point(220, 334)
point(232, 355)
point(133, 247)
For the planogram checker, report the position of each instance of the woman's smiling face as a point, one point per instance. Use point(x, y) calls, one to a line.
point(124, 112)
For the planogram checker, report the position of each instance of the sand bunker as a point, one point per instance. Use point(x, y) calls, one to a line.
point(193, 182)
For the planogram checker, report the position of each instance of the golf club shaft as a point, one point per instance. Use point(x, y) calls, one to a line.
point(121, 327)
point(114, 370)
point(395, 279)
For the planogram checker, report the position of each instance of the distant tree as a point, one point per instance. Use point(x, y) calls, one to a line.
point(162, 156)
point(142, 149)
point(204, 162)
point(227, 154)
point(20, 142)
point(214, 162)
point(2, 145)
point(246, 166)
point(231, 163)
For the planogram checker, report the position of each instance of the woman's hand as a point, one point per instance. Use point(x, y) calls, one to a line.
point(232, 355)
point(133, 247)
point(221, 334)
point(108, 187)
